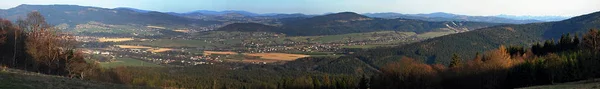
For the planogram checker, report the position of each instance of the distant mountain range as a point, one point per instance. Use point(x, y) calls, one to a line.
point(73, 15)
point(349, 22)
point(542, 18)
point(440, 16)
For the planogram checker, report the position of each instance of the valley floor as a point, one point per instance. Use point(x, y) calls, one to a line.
point(19, 79)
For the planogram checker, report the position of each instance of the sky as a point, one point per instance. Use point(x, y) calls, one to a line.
point(465, 7)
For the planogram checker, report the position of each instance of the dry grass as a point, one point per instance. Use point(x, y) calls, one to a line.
point(219, 52)
point(157, 27)
point(258, 60)
point(277, 56)
point(184, 31)
point(133, 47)
point(114, 39)
point(159, 50)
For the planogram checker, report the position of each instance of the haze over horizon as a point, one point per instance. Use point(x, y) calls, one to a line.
point(465, 7)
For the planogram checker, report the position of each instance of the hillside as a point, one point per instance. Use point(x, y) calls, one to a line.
point(249, 27)
point(440, 49)
point(73, 15)
point(584, 84)
point(440, 16)
point(19, 79)
point(349, 22)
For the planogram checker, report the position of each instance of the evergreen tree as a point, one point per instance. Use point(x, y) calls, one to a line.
point(456, 61)
point(576, 42)
point(364, 83)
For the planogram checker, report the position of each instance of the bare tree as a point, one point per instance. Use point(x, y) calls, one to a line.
point(43, 43)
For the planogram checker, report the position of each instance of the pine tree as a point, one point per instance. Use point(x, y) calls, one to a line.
point(576, 42)
point(456, 61)
point(364, 83)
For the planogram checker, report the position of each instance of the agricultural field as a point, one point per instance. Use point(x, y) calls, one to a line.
point(186, 43)
point(366, 46)
point(219, 53)
point(584, 84)
point(277, 56)
point(158, 50)
point(256, 57)
point(349, 37)
point(127, 62)
point(133, 47)
point(101, 28)
point(114, 39)
point(434, 34)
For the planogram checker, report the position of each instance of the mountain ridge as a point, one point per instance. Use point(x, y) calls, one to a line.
point(350, 22)
point(442, 16)
point(75, 14)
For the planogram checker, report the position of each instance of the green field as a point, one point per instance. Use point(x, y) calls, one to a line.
point(348, 37)
point(365, 46)
point(585, 84)
point(19, 79)
point(187, 43)
point(96, 27)
point(127, 62)
point(434, 34)
point(219, 39)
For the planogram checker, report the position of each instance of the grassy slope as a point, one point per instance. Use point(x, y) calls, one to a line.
point(128, 62)
point(18, 79)
point(585, 84)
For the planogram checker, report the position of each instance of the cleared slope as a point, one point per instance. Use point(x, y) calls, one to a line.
point(18, 79)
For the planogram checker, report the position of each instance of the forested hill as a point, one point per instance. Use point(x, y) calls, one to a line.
point(73, 15)
point(441, 16)
point(441, 49)
point(249, 27)
point(349, 22)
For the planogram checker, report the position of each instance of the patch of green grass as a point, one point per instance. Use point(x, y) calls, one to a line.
point(348, 37)
point(127, 62)
point(19, 79)
point(364, 46)
point(187, 43)
point(434, 34)
point(585, 84)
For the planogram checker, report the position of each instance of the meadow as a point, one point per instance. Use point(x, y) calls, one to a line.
point(127, 62)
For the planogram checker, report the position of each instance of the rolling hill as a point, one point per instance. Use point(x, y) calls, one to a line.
point(73, 15)
point(467, 44)
point(440, 16)
point(349, 22)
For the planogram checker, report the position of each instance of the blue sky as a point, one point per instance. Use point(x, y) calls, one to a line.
point(467, 7)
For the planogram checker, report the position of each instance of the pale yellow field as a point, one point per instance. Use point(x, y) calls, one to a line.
point(184, 31)
point(258, 60)
point(159, 50)
point(277, 56)
point(157, 27)
point(114, 39)
point(132, 47)
point(219, 52)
